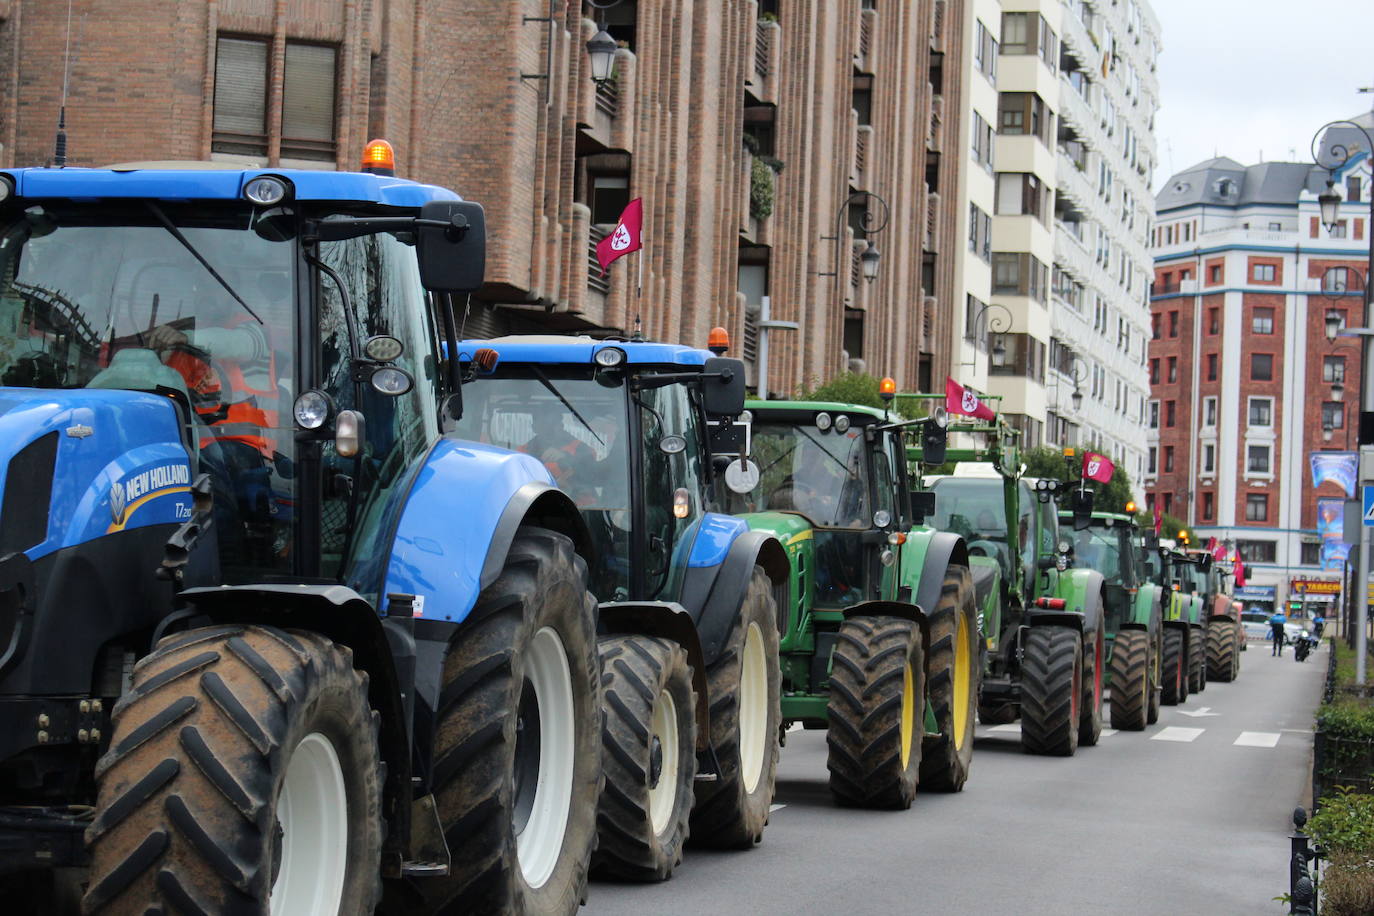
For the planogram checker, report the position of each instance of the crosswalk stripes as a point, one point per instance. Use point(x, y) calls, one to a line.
point(1257, 739)
point(1177, 733)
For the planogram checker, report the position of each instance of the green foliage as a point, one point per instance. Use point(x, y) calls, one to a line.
point(761, 190)
point(1345, 822)
point(1347, 886)
point(847, 388)
point(1347, 717)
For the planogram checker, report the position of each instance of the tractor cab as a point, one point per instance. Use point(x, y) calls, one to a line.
point(1107, 545)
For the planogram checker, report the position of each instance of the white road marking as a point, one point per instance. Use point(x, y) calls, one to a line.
point(1177, 733)
point(1257, 739)
point(772, 808)
point(1199, 713)
point(1108, 732)
point(795, 727)
point(1013, 728)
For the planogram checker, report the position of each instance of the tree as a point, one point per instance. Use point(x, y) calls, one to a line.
point(846, 388)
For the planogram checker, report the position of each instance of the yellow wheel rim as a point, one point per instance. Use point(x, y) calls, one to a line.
point(962, 675)
point(908, 712)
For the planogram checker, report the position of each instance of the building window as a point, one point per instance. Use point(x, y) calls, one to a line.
point(1021, 113)
point(1352, 189)
point(1168, 503)
point(1333, 415)
point(1214, 321)
point(1338, 230)
point(1154, 327)
point(1262, 321)
point(1209, 508)
point(1168, 459)
point(610, 196)
point(1336, 280)
point(1154, 371)
point(1025, 357)
point(1154, 415)
point(1333, 369)
point(1173, 324)
point(1209, 411)
point(1261, 367)
point(1169, 414)
point(1261, 412)
point(1153, 455)
point(985, 51)
point(1311, 553)
point(1020, 274)
point(1211, 367)
point(1022, 194)
point(1214, 276)
point(1262, 273)
point(1256, 507)
point(1173, 369)
point(982, 142)
point(1209, 459)
point(309, 74)
point(1257, 459)
point(1257, 551)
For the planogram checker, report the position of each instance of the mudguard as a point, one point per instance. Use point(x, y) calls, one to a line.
point(1223, 608)
point(926, 555)
point(458, 521)
point(1082, 591)
point(1146, 611)
point(712, 593)
point(798, 541)
point(669, 620)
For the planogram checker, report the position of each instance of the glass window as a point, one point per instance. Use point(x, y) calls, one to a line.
point(1262, 273)
point(1333, 369)
point(1209, 458)
point(1211, 367)
point(1257, 551)
point(822, 475)
point(307, 114)
point(668, 411)
point(1262, 367)
point(1257, 459)
point(1261, 412)
point(240, 106)
point(1262, 321)
point(1256, 507)
point(1333, 415)
point(1209, 411)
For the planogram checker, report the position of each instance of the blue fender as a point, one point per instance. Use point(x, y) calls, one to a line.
point(720, 565)
point(460, 516)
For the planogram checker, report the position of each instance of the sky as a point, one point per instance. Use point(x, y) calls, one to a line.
point(1254, 79)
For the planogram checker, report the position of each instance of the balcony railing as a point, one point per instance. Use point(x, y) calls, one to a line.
point(763, 38)
point(594, 279)
point(608, 97)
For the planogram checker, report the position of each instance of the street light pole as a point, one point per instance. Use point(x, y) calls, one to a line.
point(1338, 154)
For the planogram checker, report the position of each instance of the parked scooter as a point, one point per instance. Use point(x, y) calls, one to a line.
point(1303, 645)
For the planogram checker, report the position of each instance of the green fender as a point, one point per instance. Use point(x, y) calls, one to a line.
point(798, 541)
point(1146, 610)
point(924, 558)
point(1081, 590)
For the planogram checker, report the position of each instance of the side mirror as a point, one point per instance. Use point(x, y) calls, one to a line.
point(722, 387)
point(934, 437)
point(1082, 501)
point(922, 505)
point(453, 256)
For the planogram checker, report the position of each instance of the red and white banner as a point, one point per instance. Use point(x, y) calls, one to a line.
point(626, 238)
point(959, 399)
point(1097, 467)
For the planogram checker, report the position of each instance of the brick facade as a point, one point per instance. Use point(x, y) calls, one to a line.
point(481, 96)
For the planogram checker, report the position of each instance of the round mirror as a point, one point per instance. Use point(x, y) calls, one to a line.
point(383, 349)
point(742, 475)
point(670, 445)
point(390, 381)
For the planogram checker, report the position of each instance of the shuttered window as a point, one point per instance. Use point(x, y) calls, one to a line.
point(307, 117)
point(240, 124)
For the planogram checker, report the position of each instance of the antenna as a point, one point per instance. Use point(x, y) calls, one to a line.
point(59, 152)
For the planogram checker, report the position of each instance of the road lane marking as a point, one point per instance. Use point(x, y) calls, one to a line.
point(1108, 732)
point(1013, 728)
point(1177, 733)
point(1257, 739)
point(1199, 713)
point(772, 808)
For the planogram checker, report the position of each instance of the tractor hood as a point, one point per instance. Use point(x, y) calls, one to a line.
point(77, 464)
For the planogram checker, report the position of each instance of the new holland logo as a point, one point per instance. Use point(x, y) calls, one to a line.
point(117, 503)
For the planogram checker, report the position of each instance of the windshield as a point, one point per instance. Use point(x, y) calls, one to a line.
point(971, 508)
point(577, 427)
point(822, 475)
point(1102, 549)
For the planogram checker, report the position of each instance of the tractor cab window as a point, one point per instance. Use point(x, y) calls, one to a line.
point(822, 475)
point(578, 428)
point(1100, 548)
point(381, 277)
point(884, 486)
point(976, 510)
point(673, 481)
point(106, 296)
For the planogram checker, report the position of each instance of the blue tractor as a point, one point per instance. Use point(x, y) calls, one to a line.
point(272, 639)
point(644, 437)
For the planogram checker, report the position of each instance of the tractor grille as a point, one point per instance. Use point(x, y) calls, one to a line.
point(28, 493)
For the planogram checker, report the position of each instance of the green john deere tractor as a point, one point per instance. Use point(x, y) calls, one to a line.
point(1045, 645)
point(1133, 615)
point(880, 642)
point(1183, 662)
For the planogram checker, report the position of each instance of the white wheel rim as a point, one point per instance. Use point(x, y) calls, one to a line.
point(753, 708)
point(539, 843)
point(312, 810)
point(663, 795)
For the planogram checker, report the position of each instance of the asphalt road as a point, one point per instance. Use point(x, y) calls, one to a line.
point(1190, 816)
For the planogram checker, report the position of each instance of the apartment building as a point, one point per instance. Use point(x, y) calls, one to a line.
point(1251, 382)
point(773, 143)
point(1059, 331)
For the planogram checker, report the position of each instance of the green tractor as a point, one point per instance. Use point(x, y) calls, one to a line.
point(1184, 656)
point(1045, 644)
point(880, 639)
point(1225, 636)
point(1133, 615)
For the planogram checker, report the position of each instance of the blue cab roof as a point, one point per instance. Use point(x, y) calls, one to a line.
point(549, 348)
point(220, 184)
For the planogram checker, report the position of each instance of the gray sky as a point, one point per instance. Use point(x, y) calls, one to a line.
point(1237, 77)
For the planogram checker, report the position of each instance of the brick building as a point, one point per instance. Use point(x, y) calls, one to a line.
point(1245, 385)
point(747, 126)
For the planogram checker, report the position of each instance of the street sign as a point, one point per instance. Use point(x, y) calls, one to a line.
point(1367, 515)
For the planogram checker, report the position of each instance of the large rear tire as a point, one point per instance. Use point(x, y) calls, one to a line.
point(876, 712)
point(1156, 675)
point(1051, 690)
point(1090, 707)
point(745, 688)
point(648, 751)
point(1173, 667)
point(1221, 650)
point(243, 776)
point(1131, 686)
point(517, 759)
point(1197, 659)
point(953, 668)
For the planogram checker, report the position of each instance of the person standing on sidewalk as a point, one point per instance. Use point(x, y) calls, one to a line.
point(1276, 623)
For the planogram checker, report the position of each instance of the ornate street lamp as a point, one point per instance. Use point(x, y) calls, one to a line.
point(601, 49)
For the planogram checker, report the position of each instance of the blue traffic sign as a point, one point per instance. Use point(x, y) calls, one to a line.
point(1367, 515)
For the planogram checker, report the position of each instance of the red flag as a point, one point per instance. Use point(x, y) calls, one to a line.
point(1239, 570)
point(626, 237)
point(1217, 549)
point(1097, 467)
point(959, 399)
point(1159, 519)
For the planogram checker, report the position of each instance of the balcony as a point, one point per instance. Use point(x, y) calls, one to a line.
point(937, 111)
point(864, 43)
point(932, 235)
point(863, 142)
point(595, 281)
point(937, 26)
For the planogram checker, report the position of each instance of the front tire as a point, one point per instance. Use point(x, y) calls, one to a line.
point(648, 751)
point(953, 667)
point(876, 712)
point(243, 775)
point(1197, 660)
point(517, 760)
point(1094, 665)
point(1051, 690)
point(1131, 687)
point(1175, 674)
point(1221, 650)
point(745, 688)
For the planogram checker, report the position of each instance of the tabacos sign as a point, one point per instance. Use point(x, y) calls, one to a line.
point(128, 494)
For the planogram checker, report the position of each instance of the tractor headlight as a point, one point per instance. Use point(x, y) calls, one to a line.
point(609, 357)
point(842, 423)
point(312, 409)
point(823, 421)
point(390, 381)
point(265, 190)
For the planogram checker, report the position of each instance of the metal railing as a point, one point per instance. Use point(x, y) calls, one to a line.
point(763, 38)
point(595, 280)
point(1302, 876)
point(608, 97)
